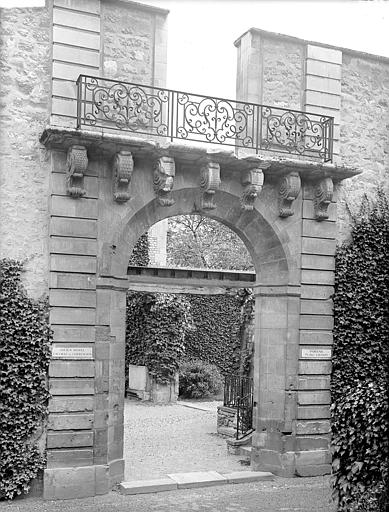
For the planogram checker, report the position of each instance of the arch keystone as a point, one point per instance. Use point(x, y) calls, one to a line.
point(323, 193)
point(123, 167)
point(164, 172)
point(76, 165)
point(289, 189)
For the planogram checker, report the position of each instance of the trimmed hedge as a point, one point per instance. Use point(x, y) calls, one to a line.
point(359, 411)
point(155, 332)
point(215, 336)
point(24, 355)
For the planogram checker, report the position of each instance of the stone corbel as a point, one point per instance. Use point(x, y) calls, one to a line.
point(323, 193)
point(252, 182)
point(123, 166)
point(289, 189)
point(164, 172)
point(76, 165)
point(209, 183)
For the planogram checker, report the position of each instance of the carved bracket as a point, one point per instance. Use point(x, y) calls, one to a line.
point(123, 166)
point(252, 182)
point(289, 189)
point(164, 172)
point(209, 183)
point(324, 191)
point(76, 165)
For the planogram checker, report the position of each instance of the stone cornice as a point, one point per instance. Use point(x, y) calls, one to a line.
point(107, 144)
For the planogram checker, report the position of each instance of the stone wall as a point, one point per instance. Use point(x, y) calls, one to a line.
point(128, 43)
point(283, 73)
point(364, 134)
point(351, 86)
point(24, 107)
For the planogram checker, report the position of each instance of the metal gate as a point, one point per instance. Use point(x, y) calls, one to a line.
point(238, 394)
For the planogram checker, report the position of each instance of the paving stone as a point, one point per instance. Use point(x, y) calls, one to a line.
point(237, 477)
point(147, 486)
point(197, 479)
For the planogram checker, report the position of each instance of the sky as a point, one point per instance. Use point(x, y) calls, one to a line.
point(201, 53)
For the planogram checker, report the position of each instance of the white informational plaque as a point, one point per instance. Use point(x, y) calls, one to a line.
point(71, 353)
point(316, 353)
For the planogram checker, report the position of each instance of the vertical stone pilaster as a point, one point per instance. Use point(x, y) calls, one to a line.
point(322, 93)
point(275, 366)
point(249, 68)
point(76, 50)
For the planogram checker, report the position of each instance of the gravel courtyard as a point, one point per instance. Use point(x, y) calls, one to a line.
point(161, 439)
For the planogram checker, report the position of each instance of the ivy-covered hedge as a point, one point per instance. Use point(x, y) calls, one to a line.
point(24, 359)
point(155, 332)
point(215, 337)
point(360, 443)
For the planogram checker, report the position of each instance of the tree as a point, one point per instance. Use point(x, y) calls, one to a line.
point(197, 241)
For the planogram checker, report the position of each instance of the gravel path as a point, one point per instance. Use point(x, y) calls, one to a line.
point(173, 438)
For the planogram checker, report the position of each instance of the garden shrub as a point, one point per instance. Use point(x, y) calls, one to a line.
point(359, 384)
point(199, 379)
point(155, 332)
point(24, 359)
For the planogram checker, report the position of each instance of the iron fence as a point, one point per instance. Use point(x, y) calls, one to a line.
point(149, 110)
point(238, 393)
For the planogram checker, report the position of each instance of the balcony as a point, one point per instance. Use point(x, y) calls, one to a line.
point(139, 109)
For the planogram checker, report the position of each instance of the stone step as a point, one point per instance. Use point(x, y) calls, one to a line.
point(245, 450)
point(192, 480)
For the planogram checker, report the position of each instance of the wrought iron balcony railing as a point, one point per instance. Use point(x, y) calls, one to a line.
point(141, 109)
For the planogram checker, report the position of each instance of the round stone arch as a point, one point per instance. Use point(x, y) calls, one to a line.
point(276, 312)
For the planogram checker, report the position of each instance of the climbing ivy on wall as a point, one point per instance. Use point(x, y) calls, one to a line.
point(24, 359)
point(140, 253)
point(214, 337)
point(360, 441)
point(155, 332)
point(213, 328)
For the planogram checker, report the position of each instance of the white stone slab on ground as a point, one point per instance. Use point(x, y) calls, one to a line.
point(197, 479)
point(238, 477)
point(147, 486)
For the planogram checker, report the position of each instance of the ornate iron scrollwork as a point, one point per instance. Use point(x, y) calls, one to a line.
point(289, 189)
point(252, 181)
point(136, 108)
point(77, 164)
point(324, 190)
point(164, 172)
point(123, 166)
point(209, 183)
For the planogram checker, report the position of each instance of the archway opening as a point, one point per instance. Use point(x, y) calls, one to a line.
point(197, 274)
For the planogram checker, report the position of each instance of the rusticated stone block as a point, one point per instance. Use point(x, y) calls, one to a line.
point(75, 298)
point(69, 458)
point(70, 421)
point(314, 397)
point(310, 412)
point(312, 427)
point(71, 404)
point(73, 333)
point(316, 337)
point(313, 470)
point(71, 369)
point(314, 367)
point(71, 386)
point(314, 382)
point(69, 439)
